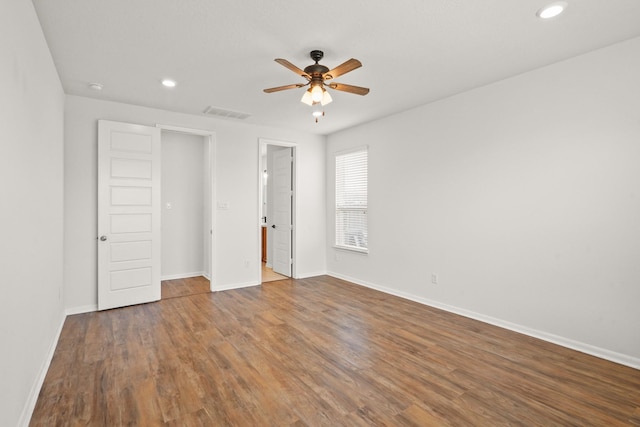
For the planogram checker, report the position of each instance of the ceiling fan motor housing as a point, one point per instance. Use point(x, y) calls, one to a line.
point(316, 71)
point(316, 55)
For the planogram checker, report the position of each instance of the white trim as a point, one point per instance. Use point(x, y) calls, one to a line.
point(236, 286)
point(32, 399)
point(277, 142)
point(192, 131)
point(262, 143)
point(184, 275)
point(602, 353)
point(308, 275)
point(343, 153)
point(212, 144)
point(352, 249)
point(351, 150)
point(81, 309)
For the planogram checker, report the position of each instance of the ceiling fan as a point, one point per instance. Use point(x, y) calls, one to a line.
point(318, 78)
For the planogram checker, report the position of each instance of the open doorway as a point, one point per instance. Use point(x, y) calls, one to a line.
point(186, 206)
point(277, 210)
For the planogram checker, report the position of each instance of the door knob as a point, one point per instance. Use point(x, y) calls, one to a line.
point(103, 238)
point(273, 226)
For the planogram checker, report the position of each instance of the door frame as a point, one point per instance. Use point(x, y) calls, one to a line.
point(210, 143)
point(262, 145)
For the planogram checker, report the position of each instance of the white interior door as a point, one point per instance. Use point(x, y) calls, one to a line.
point(282, 197)
point(128, 214)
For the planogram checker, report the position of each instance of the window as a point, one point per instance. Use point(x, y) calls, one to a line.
point(351, 200)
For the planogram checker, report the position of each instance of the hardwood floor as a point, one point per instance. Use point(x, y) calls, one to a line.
point(184, 287)
point(319, 352)
point(268, 275)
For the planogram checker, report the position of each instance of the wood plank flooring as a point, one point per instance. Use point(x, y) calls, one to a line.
point(268, 275)
point(184, 287)
point(319, 352)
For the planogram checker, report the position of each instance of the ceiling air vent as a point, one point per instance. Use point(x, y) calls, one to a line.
point(226, 114)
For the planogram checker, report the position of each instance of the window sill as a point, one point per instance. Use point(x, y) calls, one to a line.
point(352, 249)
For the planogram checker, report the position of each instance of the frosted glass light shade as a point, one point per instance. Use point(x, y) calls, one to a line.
point(306, 98)
point(316, 93)
point(326, 98)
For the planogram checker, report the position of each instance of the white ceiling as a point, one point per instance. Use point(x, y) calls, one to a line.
point(222, 53)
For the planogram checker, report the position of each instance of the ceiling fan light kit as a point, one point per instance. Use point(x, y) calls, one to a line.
point(318, 111)
point(317, 76)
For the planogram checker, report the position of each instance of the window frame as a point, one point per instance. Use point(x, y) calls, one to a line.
point(336, 245)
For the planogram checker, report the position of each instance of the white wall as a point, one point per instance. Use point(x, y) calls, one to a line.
point(523, 196)
point(31, 191)
point(237, 182)
point(182, 186)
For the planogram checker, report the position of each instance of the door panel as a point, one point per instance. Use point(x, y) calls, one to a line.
point(282, 202)
point(130, 251)
point(130, 278)
point(128, 214)
point(130, 168)
point(134, 223)
point(131, 196)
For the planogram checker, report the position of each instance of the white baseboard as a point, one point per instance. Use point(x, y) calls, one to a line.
point(602, 353)
point(235, 286)
point(27, 411)
point(81, 309)
point(307, 275)
point(182, 275)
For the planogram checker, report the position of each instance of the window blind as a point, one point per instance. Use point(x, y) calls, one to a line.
point(351, 200)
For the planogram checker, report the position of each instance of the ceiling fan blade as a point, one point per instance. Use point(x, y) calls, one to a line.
point(343, 68)
point(293, 68)
point(349, 88)
point(279, 88)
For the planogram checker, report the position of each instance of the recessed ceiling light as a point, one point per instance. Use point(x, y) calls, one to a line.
point(552, 10)
point(168, 83)
point(96, 86)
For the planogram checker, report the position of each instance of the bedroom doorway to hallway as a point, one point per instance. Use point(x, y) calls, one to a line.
point(277, 165)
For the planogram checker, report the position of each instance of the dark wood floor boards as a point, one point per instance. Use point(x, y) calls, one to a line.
point(319, 352)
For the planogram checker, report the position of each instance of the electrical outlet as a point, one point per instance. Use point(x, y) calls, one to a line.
point(434, 278)
point(247, 264)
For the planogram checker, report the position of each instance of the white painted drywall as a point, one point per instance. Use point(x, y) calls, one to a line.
point(523, 196)
point(182, 188)
point(31, 177)
point(237, 183)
